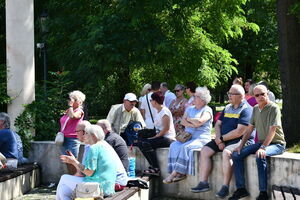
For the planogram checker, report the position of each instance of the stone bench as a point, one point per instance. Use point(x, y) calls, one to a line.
point(285, 171)
point(14, 183)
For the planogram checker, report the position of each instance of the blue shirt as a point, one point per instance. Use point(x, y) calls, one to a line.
point(231, 117)
point(8, 144)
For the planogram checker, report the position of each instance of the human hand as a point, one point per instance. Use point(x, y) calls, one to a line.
point(67, 159)
point(261, 153)
point(238, 149)
point(218, 141)
point(221, 146)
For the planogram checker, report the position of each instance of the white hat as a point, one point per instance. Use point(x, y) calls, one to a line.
point(130, 97)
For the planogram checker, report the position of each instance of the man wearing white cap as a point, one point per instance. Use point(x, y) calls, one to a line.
point(121, 114)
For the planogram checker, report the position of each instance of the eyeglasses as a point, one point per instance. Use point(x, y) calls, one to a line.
point(232, 94)
point(261, 94)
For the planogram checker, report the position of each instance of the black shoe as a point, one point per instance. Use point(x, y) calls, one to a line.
point(239, 193)
point(262, 196)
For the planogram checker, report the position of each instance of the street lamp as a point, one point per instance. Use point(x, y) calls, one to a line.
point(42, 46)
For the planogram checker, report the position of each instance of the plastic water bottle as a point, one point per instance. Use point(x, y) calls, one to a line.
point(131, 168)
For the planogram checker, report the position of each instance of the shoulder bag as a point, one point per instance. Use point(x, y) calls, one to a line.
point(183, 136)
point(147, 132)
point(59, 139)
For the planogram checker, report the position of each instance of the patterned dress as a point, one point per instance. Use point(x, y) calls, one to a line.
point(181, 158)
point(177, 110)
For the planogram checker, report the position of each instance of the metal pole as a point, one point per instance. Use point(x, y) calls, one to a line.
point(45, 69)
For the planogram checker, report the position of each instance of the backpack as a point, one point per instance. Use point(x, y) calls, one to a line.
point(131, 132)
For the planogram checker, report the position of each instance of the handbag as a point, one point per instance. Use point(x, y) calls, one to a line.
point(88, 190)
point(183, 136)
point(59, 139)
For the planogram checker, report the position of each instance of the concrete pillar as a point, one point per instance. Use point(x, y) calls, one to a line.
point(20, 55)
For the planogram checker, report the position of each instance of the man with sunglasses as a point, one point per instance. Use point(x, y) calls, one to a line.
point(266, 118)
point(230, 126)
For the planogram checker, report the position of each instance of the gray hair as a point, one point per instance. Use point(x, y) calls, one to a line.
point(203, 93)
point(105, 123)
point(239, 89)
point(179, 86)
point(77, 96)
point(262, 87)
point(145, 89)
point(84, 124)
point(164, 84)
point(251, 88)
point(6, 120)
point(96, 131)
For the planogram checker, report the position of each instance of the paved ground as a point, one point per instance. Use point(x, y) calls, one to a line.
point(39, 193)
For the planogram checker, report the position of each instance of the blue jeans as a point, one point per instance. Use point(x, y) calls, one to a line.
point(238, 164)
point(71, 144)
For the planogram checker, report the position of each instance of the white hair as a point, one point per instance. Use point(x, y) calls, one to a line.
point(145, 89)
point(95, 130)
point(239, 89)
point(105, 123)
point(203, 93)
point(77, 96)
point(84, 124)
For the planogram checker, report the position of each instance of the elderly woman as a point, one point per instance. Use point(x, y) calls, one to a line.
point(146, 89)
point(99, 165)
point(177, 107)
point(73, 115)
point(190, 90)
point(163, 123)
point(197, 120)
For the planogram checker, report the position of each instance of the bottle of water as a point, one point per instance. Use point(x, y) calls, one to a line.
point(131, 168)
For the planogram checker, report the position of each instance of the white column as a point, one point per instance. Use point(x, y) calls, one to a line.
point(20, 55)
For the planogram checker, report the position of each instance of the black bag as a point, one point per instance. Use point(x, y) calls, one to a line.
point(146, 133)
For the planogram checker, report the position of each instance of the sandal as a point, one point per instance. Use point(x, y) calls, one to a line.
point(179, 177)
point(152, 171)
point(168, 180)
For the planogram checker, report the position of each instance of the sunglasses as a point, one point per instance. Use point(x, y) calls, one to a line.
point(261, 94)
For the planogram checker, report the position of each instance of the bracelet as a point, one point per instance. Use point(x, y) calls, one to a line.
point(222, 139)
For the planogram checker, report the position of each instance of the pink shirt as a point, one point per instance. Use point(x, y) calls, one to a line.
point(70, 128)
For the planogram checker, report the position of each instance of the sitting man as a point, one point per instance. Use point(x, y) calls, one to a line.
point(8, 143)
point(121, 114)
point(266, 118)
point(229, 128)
point(116, 141)
point(122, 177)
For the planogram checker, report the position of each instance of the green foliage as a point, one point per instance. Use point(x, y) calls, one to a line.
point(4, 98)
point(44, 113)
point(113, 47)
point(294, 149)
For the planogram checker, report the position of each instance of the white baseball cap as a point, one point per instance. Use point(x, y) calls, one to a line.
point(130, 97)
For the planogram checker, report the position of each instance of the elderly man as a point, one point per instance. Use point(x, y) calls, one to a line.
point(121, 114)
point(116, 141)
point(8, 142)
point(169, 96)
point(229, 129)
point(266, 118)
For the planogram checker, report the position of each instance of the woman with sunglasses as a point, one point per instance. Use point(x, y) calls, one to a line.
point(177, 107)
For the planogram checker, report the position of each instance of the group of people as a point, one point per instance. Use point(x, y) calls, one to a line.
point(240, 130)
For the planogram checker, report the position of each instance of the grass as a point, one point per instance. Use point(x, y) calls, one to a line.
point(294, 149)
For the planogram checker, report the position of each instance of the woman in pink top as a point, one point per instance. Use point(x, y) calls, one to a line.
point(69, 121)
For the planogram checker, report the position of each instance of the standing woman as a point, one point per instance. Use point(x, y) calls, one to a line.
point(177, 107)
point(163, 123)
point(197, 120)
point(69, 121)
point(190, 90)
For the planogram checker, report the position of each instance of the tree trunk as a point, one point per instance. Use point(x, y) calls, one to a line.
point(289, 61)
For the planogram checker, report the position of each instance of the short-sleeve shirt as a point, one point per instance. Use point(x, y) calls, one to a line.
point(263, 119)
point(8, 144)
point(231, 117)
point(169, 98)
point(99, 159)
point(144, 106)
point(158, 122)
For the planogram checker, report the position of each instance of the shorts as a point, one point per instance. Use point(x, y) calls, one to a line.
point(228, 146)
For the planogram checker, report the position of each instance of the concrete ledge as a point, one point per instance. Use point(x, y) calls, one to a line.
point(19, 183)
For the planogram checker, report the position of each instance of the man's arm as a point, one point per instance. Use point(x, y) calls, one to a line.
point(261, 152)
point(139, 117)
point(236, 133)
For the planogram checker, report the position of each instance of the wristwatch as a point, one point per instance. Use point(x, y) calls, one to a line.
point(263, 147)
point(222, 139)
